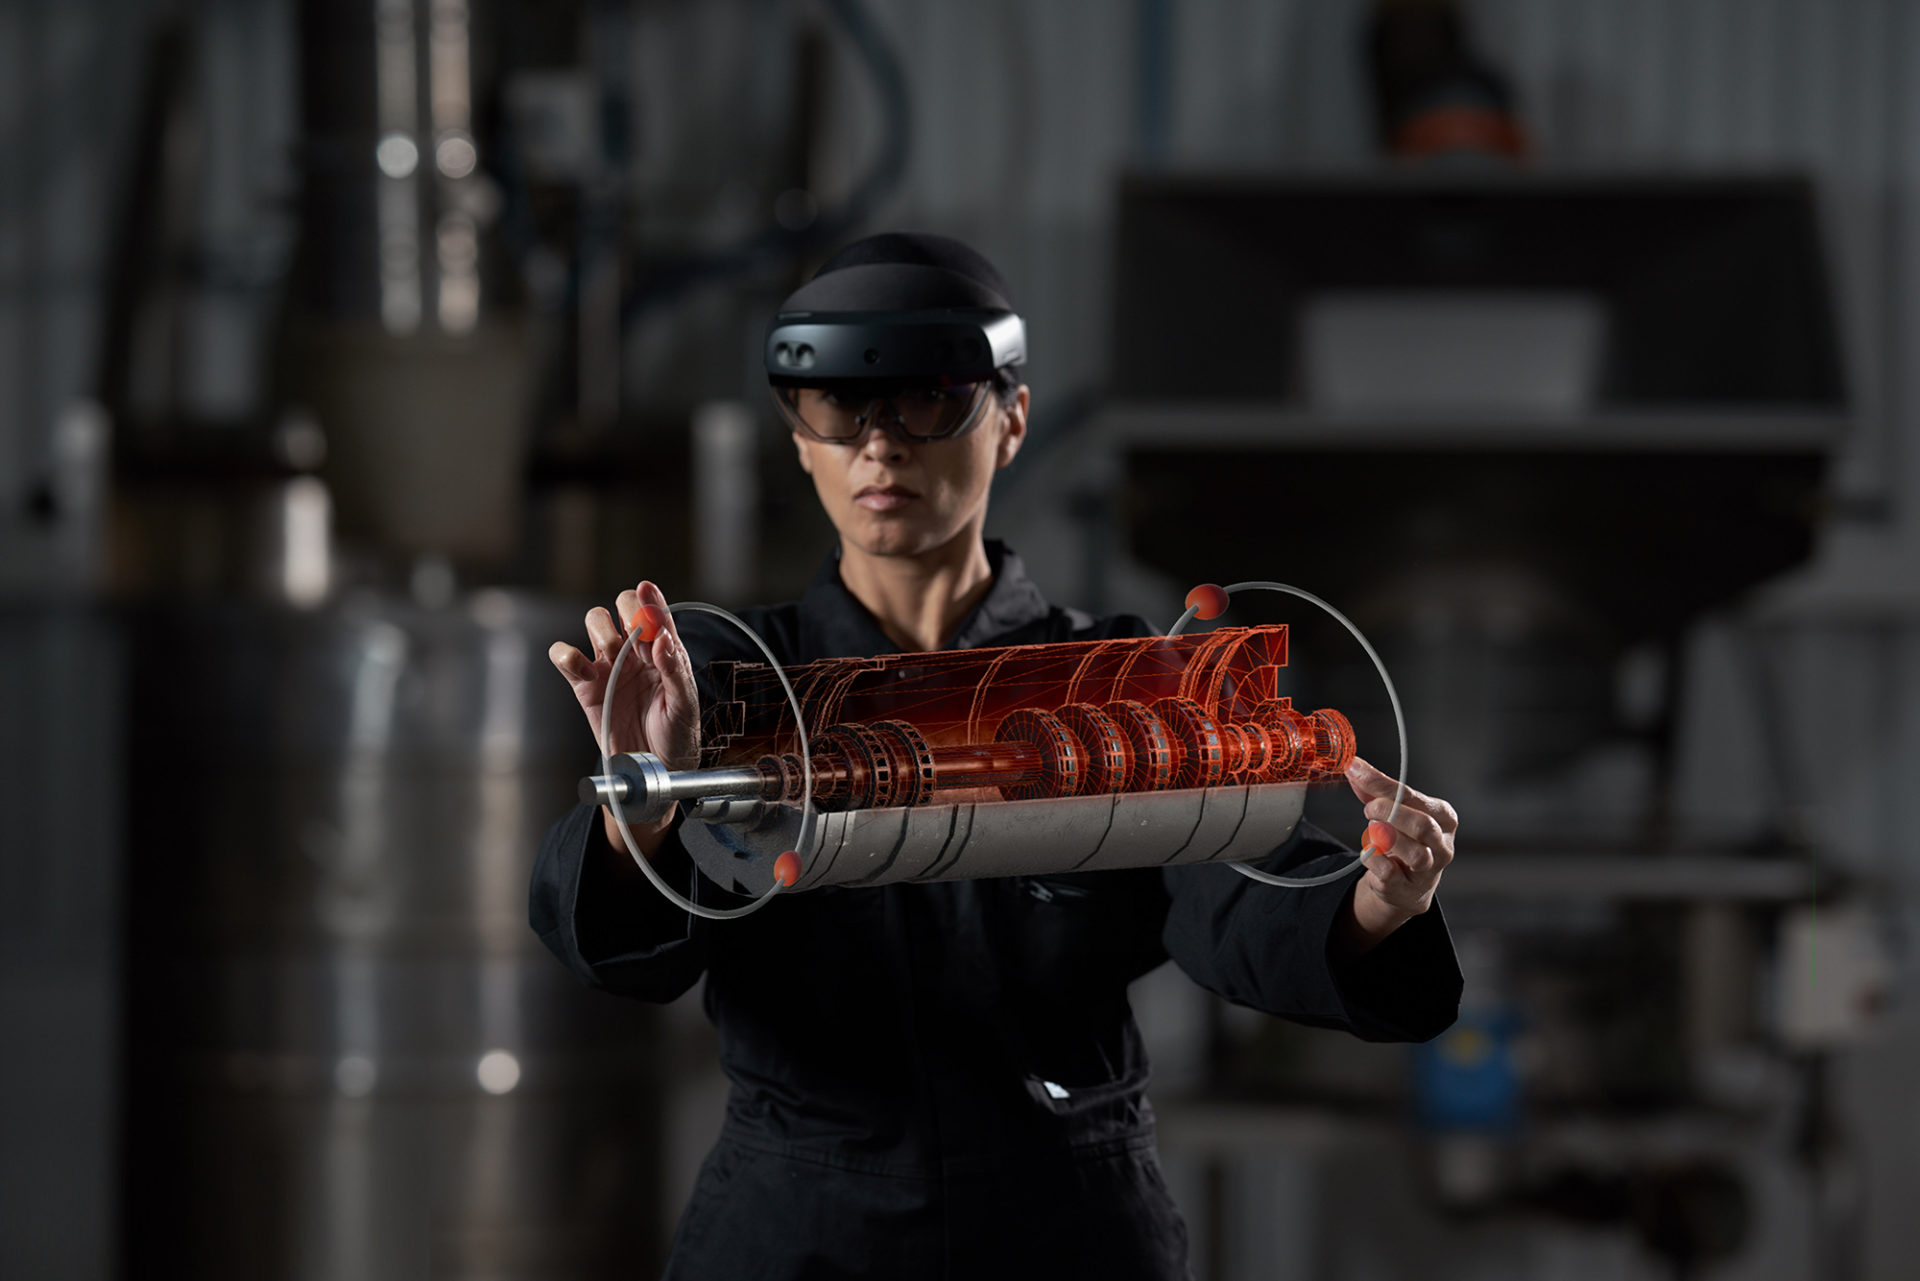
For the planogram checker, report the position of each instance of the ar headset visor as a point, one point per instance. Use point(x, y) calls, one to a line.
point(921, 374)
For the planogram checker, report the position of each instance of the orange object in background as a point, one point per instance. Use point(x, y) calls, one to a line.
point(1450, 130)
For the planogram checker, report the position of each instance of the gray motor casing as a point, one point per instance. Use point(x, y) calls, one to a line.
point(944, 842)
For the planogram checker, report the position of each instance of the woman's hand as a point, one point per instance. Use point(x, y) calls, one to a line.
point(1400, 882)
point(656, 707)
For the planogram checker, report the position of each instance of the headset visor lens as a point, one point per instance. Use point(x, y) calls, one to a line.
point(841, 415)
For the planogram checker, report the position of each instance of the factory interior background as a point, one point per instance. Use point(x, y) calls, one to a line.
point(349, 352)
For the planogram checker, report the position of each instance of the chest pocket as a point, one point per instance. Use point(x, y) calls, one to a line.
point(1078, 937)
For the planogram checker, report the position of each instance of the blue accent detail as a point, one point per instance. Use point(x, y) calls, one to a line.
point(1467, 1078)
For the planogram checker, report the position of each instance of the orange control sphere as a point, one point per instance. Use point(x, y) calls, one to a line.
point(651, 621)
point(786, 868)
point(1380, 836)
point(1207, 601)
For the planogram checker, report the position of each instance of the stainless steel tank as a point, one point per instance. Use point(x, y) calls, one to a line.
point(348, 1056)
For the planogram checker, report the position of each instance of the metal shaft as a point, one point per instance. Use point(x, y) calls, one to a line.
point(645, 787)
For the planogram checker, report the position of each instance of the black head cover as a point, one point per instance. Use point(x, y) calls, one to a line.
point(897, 306)
point(903, 271)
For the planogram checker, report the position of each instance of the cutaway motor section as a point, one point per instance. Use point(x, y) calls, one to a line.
point(924, 755)
point(1035, 754)
point(1032, 722)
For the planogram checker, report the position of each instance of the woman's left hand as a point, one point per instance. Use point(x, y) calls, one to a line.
point(1400, 883)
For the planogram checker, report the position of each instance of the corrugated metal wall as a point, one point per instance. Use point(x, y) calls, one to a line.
point(1026, 111)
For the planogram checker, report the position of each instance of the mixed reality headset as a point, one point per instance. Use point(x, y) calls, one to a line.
point(831, 372)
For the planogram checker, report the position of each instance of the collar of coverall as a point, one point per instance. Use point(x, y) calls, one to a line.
point(848, 628)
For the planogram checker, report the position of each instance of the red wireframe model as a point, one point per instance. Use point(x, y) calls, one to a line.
point(1077, 718)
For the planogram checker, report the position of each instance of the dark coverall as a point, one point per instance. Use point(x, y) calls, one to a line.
point(945, 1080)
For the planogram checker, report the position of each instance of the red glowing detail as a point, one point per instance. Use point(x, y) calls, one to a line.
point(1061, 768)
point(1147, 743)
point(1207, 601)
point(1108, 757)
point(1200, 759)
point(1290, 740)
point(1027, 722)
point(786, 868)
point(1380, 836)
point(913, 768)
point(1256, 760)
point(1333, 745)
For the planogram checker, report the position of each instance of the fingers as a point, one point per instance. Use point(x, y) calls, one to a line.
point(604, 633)
point(1386, 874)
point(666, 652)
point(653, 599)
point(676, 734)
point(1420, 843)
point(1412, 822)
point(1369, 783)
point(1401, 859)
point(670, 656)
point(1422, 829)
point(645, 608)
point(679, 697)
point(570, 662)
point(1366, 781)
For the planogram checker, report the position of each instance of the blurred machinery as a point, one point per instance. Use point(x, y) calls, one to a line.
point(1585, 411)
point(343, 1054)
point(346, 1056)
point(1603, 406)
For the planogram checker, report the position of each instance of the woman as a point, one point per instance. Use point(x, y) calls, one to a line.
point(945, 1080)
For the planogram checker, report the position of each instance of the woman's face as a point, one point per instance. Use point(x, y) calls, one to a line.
point(894, 497)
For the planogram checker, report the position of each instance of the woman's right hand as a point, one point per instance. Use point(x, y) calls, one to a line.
point(656, 707)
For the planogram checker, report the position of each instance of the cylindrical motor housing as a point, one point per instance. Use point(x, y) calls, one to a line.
point(1000, 838)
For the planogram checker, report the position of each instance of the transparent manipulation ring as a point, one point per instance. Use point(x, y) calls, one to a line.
point(806, 769)
point(1399, 722)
